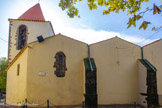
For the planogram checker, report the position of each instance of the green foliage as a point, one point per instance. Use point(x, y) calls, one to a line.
point(3, 66)
point(156, 9)
point(153, 28)
point(69, 6)
point(132, 21)
point(131, 6)
point(144, 25)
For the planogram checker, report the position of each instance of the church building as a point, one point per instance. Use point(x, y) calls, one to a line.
point(45, 66)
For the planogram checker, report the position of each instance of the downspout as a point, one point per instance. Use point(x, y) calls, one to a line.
point(142, 52)
point(89, 58)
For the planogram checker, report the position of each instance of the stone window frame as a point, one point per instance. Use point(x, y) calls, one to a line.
point(59, 64)
point(18, 37)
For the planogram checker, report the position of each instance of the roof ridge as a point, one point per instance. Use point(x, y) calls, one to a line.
point(117, 38)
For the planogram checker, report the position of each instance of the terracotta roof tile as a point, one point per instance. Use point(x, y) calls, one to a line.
point(34, 13)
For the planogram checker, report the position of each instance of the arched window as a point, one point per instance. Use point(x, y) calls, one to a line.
point(22, 32)
point(60, 64)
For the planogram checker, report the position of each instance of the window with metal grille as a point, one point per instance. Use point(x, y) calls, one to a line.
point(22, 35)
point(60, 64)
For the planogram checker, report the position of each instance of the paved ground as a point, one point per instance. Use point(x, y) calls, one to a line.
point(76, 107)
point(3, 105)
point(112, 106)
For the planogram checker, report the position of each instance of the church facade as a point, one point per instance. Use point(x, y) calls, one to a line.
point(45, 66)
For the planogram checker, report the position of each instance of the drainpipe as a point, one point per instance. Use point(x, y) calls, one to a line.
point(142, 52)
point(89, 58)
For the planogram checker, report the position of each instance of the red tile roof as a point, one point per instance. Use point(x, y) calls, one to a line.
point(34, 13)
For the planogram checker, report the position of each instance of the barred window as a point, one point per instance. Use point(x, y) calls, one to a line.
point(22, 32)
point(60, 64)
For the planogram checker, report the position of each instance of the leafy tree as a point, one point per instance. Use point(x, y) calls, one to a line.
point(3, 66)
point(131, 6)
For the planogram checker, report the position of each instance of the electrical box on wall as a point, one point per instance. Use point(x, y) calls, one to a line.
point(40, 38)
point(42, 73)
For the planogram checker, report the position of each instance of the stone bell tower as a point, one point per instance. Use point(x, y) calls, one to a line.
point(26, 29)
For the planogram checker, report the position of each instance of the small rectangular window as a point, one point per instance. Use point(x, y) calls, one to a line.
point(18, 69)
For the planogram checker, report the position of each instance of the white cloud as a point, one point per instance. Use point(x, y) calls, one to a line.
point(92, 36)
point(84, 26)
point(136, 39)
point(80, 31)
point(69, 27)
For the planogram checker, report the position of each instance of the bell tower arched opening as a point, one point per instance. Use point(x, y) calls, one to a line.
point(22, 37)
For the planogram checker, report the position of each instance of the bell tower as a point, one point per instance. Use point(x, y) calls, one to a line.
point(26, 29)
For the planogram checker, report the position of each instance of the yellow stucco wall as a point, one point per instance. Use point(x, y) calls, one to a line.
point(153, 54)
point(16, 84)
point(60, 91)
point(117, 71)
point(34, 29)
point(142, 83)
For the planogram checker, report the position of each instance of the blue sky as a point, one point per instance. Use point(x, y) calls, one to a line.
point(90, 28)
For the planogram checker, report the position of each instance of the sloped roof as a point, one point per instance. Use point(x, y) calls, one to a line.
point(36, 42)
point(16, 57)
point(147, 64)
point(34, 13)
point(87, 64)
point(153, 42)
point(116, 38)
